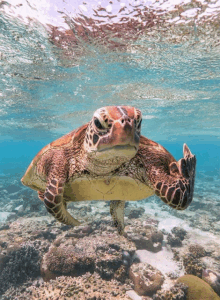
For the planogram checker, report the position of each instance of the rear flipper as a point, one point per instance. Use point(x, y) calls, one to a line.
point(117, 212)
point(55, 204)
point(177, 190)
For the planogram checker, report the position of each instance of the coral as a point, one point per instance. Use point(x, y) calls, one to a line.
point(179, 232)
point(145, 237)
point(177, 292)
point(87, 287)
point(18, 266)
point(103, 254)
point(79, 231)
point(147, 279)
point(193, 265)
point(198, 289)
point(176, 254)
point(134, 212)
point(197, 250)
point(174, 241)
point(121, 274)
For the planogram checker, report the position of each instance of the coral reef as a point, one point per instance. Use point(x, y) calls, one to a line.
point(174, 241)
point(134, 212)
point(147, 279)
point(87, 287)
point(193, 265)
point(198, 289)
point(197, 250)
point(98, 259)
point(179, 232)
point(176, 255)
point(73, 257)
point(177, 292)
point(144, 236)
point(18, 266)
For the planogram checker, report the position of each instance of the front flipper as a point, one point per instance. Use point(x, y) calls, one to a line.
point(53, 200)
point(177, 189)
point(117, 213)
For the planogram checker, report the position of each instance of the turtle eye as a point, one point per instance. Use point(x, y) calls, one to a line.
point(98, 123)
point(139, 124)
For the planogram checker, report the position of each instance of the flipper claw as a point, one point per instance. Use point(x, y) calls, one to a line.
point(186, 151)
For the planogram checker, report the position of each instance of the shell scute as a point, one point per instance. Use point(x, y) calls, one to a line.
point(146, 142)
point(64, 140)
point(31, 173)
point(31, 169)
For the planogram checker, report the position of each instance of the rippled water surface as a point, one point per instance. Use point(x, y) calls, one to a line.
point(61, 60)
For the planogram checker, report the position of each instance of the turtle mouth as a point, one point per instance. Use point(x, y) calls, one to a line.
point(118, 148)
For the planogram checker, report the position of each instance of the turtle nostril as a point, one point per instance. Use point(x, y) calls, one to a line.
point(126, 120)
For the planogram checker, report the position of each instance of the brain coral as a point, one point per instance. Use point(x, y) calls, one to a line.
point(198, 289)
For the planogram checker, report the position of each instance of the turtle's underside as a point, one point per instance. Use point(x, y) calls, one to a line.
point(108, 159)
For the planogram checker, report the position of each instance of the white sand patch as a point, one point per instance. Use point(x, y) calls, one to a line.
point(167, 222)
point(4, 215)
point(162, 260)
point(204, 238)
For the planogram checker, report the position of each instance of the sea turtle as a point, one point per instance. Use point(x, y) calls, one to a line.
point(109, 159)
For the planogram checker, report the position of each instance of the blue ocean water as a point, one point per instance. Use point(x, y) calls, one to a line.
point(53, 76)
point(175, 109)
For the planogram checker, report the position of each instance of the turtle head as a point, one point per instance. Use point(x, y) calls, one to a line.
point(114, 131)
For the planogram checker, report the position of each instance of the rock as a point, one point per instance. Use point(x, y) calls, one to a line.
point(19, 208)
point(134, 296)
point(145, 238)
point(147, 279)
point(198, 289)
point(74, 257)
point(213, 279)
point(11, 216)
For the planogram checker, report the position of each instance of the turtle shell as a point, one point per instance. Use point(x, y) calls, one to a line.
point(35, 180)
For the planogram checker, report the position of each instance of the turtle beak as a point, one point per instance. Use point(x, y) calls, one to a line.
point(123, 133)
